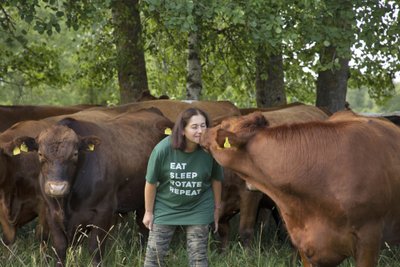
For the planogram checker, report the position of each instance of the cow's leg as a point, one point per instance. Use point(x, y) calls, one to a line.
point(303, 258)
point(227, 211)
point(223, 232)
point(98, 236)
point(42, 228)
point(59, 242)
point(368, 245)
point(225, 215)
point(249, 203)
point(58, 237)
point(97, 243)
point(9, 231)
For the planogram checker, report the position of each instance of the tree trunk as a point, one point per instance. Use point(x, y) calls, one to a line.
point(131, 66)
point(270, 89)
point(194, 83)
point(193, 80)
point(332, 83)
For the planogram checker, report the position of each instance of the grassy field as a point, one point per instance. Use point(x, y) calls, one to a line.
point(124, 248)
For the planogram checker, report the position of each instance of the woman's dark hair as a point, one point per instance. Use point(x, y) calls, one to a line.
point(178, 140)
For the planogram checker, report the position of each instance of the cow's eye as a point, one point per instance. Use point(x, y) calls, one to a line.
point(75, 154)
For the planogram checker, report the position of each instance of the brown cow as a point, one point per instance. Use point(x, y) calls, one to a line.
point(19, 201)
point(217, 110)
point(12, 215)
point(336, 182)
point(237, 198)
point(83, 166)
point(10, 115)
point(245, 111)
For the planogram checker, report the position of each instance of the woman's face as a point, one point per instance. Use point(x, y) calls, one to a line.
point(193, 130)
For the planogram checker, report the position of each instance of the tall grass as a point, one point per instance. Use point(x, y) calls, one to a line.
point(125, 248)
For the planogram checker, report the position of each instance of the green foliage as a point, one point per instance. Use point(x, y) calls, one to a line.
point(68, 68)
point(63, 52)
point(377, 57)
point(360, 101)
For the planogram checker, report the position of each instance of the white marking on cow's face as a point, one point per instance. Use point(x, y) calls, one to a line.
point(57, 188)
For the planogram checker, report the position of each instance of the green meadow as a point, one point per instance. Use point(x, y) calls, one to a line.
point(125, 247)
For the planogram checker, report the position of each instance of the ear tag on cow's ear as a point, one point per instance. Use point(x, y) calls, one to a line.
point(23, 147)
point(168, 131)
point(91, 147)
point(16, 151)
point(226, 143)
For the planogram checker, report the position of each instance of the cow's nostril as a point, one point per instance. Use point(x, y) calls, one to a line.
point(57, 189)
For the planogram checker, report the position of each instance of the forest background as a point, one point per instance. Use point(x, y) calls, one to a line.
point(254, 52)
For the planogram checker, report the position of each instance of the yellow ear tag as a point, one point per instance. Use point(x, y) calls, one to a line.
point(16, 151)
point(168, 131)
point(226, 143)
point(23, 147)
point(91, 147)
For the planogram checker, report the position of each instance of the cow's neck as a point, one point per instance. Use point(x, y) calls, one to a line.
point(269, 168)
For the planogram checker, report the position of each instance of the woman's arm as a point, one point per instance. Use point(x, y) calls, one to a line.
point(217, 189)
point(149, 199)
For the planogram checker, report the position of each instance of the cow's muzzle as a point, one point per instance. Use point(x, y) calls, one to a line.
point(56, 188)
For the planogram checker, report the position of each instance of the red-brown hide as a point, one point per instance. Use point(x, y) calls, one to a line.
point(336, 182)
point(235, 195)
point(10, 115)
point(217, 110)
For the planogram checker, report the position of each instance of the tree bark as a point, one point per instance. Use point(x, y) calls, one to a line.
point(270, 89)
point(193, 81)
point(131, 65)
point(332, 80)
point(332, 83)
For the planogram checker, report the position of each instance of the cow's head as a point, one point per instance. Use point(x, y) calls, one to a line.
point(58, 149)
point(233, 132)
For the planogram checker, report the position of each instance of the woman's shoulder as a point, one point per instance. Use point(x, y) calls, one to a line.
point(164, 145)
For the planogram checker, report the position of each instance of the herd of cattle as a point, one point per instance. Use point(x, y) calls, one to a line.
point(335, 179)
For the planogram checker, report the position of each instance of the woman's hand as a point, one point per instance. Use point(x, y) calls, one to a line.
point(216, 218)
point(148, 220)
point(150, 191)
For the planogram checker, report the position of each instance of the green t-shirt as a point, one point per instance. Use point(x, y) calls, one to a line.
point(184, 193)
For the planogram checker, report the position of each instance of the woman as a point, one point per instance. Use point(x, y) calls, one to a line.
point(183, 188)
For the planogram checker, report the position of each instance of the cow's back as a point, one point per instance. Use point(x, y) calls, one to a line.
point(10, 115)
point(217, 110)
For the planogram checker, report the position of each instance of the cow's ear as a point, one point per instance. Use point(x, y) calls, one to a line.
point(254, 122)
point(165, 127)
point(89, 143)
point(226, 139)
point(20, 145)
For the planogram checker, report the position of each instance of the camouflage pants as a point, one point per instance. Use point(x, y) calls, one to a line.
point(160, 238)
